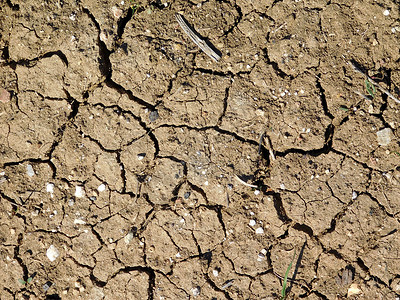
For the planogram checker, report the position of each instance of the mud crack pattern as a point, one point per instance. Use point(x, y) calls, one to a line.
point(132, 166)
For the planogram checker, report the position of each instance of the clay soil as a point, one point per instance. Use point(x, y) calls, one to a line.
point(133, 166)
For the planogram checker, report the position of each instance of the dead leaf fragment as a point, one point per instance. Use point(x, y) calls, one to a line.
point(4, 95)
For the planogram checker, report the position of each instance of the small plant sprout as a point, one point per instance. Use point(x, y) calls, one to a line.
point(370, 88)
point(134, 6)
point(285, 279)
point(23, 282)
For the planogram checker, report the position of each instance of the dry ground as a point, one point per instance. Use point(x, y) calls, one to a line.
point(121, 144)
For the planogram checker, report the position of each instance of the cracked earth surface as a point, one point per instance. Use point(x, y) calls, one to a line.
point(121, 145)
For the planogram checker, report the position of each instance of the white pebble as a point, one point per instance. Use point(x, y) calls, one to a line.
point(252, 222)
point(384, 136)
point(79, 191)
point(282, 186)
point(140, 156)
point(50, 188)
point(196, 291)
point(215, 273)
point(79, 222)
point(386, 12)
point(30, 171)
point(256, 192)
point(102, 187)
point(355, 195)
point(259, 230)
point(52, 253)
point(128, 238)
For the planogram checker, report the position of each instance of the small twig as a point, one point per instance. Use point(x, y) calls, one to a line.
point(197, 39)
point(245, 183)
point(383, 90)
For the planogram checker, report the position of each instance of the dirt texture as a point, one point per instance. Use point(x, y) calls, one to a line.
point(133, 166)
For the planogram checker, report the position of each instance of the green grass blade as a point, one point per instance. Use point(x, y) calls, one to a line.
point(285, 279)
point(370, 88)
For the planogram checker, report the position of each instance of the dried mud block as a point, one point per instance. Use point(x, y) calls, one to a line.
point(34, 37)
point(196, 100)
point(385, 188)
point(8, 80)
point(160, 248)
point(83, 248)
point(382, 259)
point(106, 264)
point(107, 14)
point(209, 157)
point(328, 280)
point(17, 184)
point(112, 229)
point(296, 46)
point(137, 159)
point(287, 111)
point(128, 285)
point(22, 136)
point(163, 180)
point(130, 250)
point(78, 158)
point(350, 180)
point(221, 272)
point(363, 227)
point(112, 128)
point(11, 226)
point(357, 138)
point(294, 170)
point(190, 277)
point(343, 26)
point(11, 271)
point(109, 96)
point(45, 77)
point(307, 253)
point(259, 6)
point(266, 286)
point(242, 46)
point(164, 289)
point(142, 67)
point(244, 249)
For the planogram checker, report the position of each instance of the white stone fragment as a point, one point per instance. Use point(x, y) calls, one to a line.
point(252, 222)
point(79, 222)
point(384, 136)
point(196, 291)
point(128, 238)
point(30, 171)
point(140, 156)
point(101, 188)
point(259, 230)
point(50, 188)
point(52, 253)
point(256, 192)
point(215, 273)
point(79, 191)
point(354, 195)
point(386, 12)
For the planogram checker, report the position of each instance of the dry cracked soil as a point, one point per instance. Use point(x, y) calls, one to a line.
point(133, 166)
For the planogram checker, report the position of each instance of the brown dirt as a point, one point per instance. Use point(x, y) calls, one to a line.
point(121, 143)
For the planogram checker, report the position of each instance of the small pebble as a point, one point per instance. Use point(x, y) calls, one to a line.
point(128, 238)
point(215, 273)
point(153, 116)
point(386, 12)
point(79, 191)
point(259, 230)
point(196, 291)
point(30, 171)
point(52, 253)
point(50, 188)
point(101, 188)
point(354, 195)
point(384, 136)
point(252, 222)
